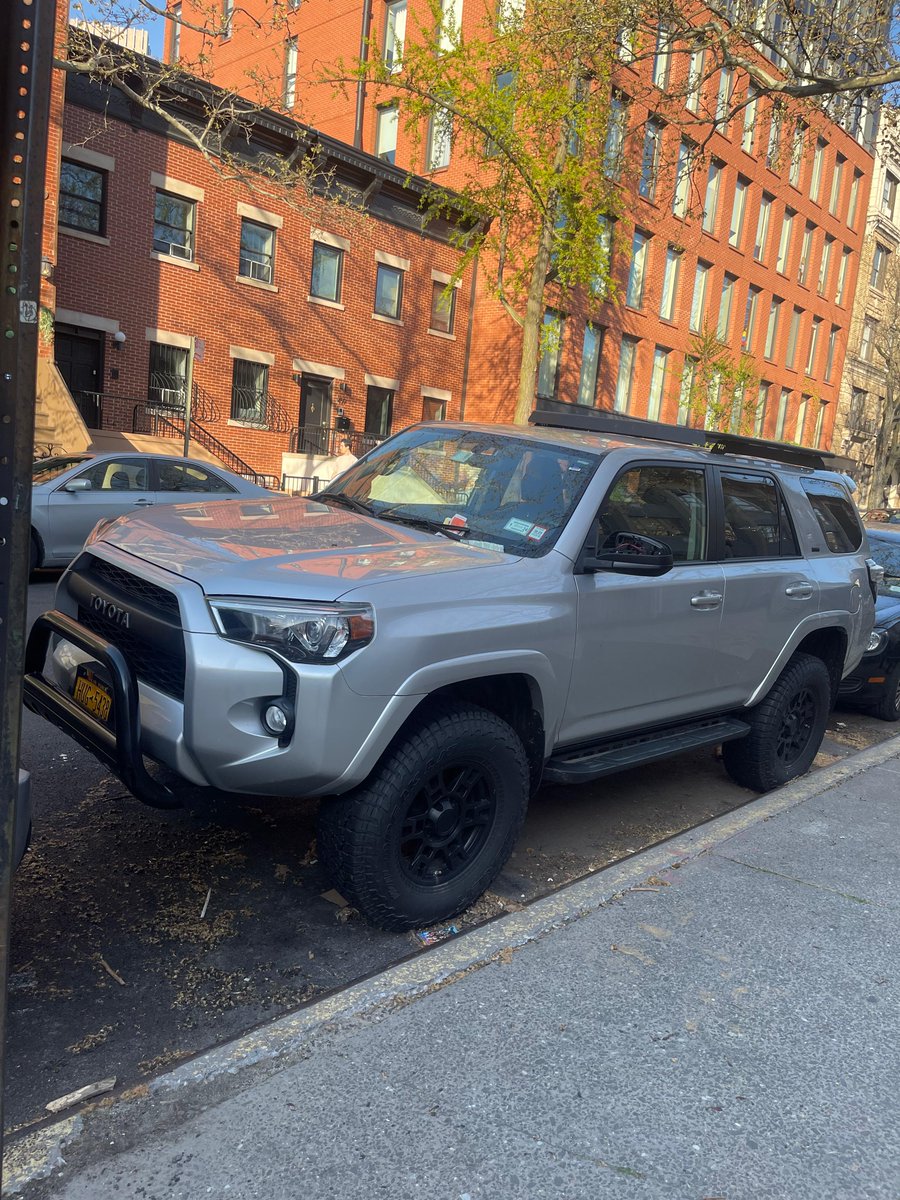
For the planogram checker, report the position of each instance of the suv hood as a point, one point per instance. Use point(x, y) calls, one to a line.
point(285, 548)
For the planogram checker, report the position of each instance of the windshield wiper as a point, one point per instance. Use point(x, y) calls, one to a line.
point(456, 532)
point(346, 501)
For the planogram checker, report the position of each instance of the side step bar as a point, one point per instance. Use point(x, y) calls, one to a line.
point(592, 762)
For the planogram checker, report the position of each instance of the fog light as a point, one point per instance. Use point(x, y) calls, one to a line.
point(276, 719)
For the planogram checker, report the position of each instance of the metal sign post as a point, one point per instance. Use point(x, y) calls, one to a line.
point(26, 35)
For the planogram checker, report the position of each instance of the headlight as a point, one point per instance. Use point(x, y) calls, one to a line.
point(877, 641)
point(298, 632)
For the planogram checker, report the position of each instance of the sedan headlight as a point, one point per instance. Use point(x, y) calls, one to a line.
point(877, 641)
point(298, 632)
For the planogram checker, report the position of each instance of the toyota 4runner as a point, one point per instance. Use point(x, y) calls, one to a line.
point(466, 611)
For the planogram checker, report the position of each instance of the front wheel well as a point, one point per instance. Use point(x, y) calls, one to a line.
point(830, 645)
point(515, 698)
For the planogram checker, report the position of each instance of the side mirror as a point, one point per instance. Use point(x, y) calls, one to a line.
point(78, 485)
point(627, 554)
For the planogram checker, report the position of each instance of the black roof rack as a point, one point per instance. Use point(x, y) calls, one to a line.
point(596, 420)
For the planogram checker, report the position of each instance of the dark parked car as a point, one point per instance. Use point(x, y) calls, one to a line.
point(875, 684)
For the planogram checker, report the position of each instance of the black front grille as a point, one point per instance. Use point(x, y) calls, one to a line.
point(139, 618)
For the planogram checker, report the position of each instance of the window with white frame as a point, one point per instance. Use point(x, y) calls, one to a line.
point(670, 283)
point(813, 346)
point(723, 99)
point(879, 267)
point(772, 328)
point(738, 208)
point(173, 225)
point(784, 242)
point(793, 337)
point(394, 34)
point(249, 391)
point(327, 272)
point(888, 194)
point(762, 227)
point(440, 136)
point(711, 199)
point(854, 199)
point(825, 265)
point(724, 322)
point(227, 18)
point(615, 137)
point(509, 15)
point(625, 378)
point(797, 146)
point(694, 81)
point(167, 382)
point(832, 349)
point(749, 132)
point(682, 193)
point(685, 391)
point(867, 340)
point(650, 158)
point(175, 13)
point(657, 382)
point(257, 256)
point(783, 401)
point(451, 23)
point(806, 253)
point(837, 177)
point(634, 292)
point(815, 181)
point(698, 301)
point(388, 291)
point(843, 274)
point(590, 364)
point(443, 307)
point(749, 328)
point(773, 149)
point(434, 409)
point(290, 73)
point(551, 343)
point(386, 120)
point(820, 421)
point(82, 198)
point(800, 425)
point(762, 401)
point(662, 57)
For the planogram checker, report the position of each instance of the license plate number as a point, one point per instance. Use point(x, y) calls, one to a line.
point(93, 697)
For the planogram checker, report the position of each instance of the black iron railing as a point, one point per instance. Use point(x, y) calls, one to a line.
point(149, 419)
point(318, 439)
point(300, 485)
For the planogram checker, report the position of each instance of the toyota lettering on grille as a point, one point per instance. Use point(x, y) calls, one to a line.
point(112, 612)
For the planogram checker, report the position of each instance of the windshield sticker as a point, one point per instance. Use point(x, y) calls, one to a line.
point(461, 456)
point(516, 526)
point(457, 520)
point(484, 545)
point(537, 532)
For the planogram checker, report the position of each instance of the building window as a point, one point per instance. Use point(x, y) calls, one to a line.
point(834, 200)
point(724, 321)
point(590, 363)
point(626, 40)
point(379, 411)
point(615, 137)
point(750, 319)
point(509, 15)
point(257, 259)
point(388, 291)
point(227, 18)
point(888, 194)
point(694, 80)
point(801, 420)
point(625, 377)
point(394, 35)
point(249, 391)
point(440, 134)
point(548, 367)
point(175, 12)
point(793, 337)
point(762, 227)
point(736, 232)
point(843, 271)
point(327, 272)
point(879, 267)
point(173, 226)
point(820, 421)
point(858, 401)
point(773, 149)
point(747, 136)
point(772, 328)
point(167, 383)
point(670, 284)
point(599, 285)
point(443, 307)
point(784, 242)
point(650, 159)
point(723, 100)
point(433, 409)
point(504, 82)
point(813, 346)
point(825, 264)
point(698, 301)
point(867, 340)
point(854, 199)
point(783, 400)
point(451, 22)
point(797, 154)
point(832, 346)
point(815, 181)
point(662, 58)
point(634, 293)
point(685, 391)
point(711, 200)
point(681, 195)
point(386, 132)
point(806, 253)
point(290, 73)
point(82, 198)
point(657, 383)
point(762, 400)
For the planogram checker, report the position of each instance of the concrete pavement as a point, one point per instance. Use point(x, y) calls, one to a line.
point(714, 1018)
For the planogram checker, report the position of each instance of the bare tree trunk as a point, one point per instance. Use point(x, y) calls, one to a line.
point(886, 450)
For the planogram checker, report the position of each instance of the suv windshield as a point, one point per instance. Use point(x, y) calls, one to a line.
point(507, 493)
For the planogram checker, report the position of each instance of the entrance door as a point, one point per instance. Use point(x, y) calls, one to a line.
point(315, 415)
point(79, 357)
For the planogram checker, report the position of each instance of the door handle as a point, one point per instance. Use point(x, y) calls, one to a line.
point(799, 591)
point(143, 503)
point(706, 600)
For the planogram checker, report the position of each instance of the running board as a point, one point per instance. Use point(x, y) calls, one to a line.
point(592, 762)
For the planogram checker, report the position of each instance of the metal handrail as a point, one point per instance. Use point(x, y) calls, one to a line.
point(319, 439)
point(172, 425)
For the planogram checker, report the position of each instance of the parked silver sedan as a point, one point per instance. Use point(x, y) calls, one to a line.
point(71, 494)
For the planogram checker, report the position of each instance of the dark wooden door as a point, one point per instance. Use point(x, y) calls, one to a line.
point(79, 357)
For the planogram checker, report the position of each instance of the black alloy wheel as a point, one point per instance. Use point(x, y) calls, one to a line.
point(447, 824)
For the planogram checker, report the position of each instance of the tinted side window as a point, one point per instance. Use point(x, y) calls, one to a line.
point(666, 503)
point(179, 477)
point(756, 521)
point(836, 515)
point(120, 475)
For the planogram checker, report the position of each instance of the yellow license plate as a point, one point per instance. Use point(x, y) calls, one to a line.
point(93, 698)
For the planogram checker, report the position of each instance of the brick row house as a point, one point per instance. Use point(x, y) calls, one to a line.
point(758, 244)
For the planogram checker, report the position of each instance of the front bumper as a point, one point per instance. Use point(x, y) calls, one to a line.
point(865, 685)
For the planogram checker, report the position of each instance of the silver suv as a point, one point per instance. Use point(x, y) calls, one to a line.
point(467, 610)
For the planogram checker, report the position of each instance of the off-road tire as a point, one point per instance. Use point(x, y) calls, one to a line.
point(786, 728)
point(363, 836)
point(888, 707)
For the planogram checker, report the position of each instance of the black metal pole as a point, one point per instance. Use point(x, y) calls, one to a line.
point(26, 38)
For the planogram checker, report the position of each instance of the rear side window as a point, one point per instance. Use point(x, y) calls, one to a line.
point(836, 515)
point(757, 524)
point(666, 503)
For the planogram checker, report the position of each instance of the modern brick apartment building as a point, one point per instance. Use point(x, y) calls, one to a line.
point(761, 246)
point(301, 319)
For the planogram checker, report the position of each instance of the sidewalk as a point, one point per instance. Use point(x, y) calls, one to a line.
point(715, 1019)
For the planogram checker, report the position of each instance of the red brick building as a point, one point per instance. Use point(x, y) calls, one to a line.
point(761, 245)
point(294, 313)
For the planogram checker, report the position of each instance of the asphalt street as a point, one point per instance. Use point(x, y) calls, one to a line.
point(141, 937)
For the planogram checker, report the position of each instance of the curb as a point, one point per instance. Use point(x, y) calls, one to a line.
point(36, 1154)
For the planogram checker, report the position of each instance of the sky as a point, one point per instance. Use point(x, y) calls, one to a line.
point(90, 10)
